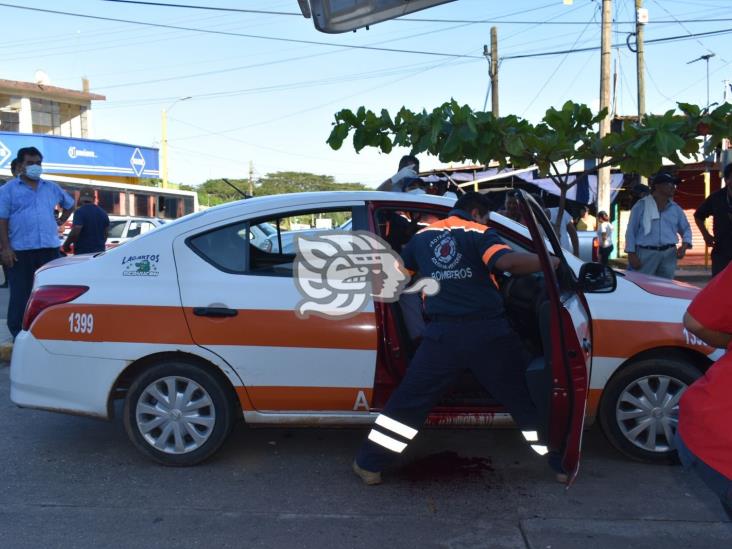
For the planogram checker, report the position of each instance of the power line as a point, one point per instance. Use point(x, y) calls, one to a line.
point(238, 34)
point(209, 8)
point(561, 62)
point(678, 38)
point(410, 19)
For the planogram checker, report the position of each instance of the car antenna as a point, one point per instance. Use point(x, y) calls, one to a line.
point(237, 189)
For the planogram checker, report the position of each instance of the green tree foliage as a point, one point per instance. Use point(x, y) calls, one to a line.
point(456, 133)
point(216, 191)
point(297, 182)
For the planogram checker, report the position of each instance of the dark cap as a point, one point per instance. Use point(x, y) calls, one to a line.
point(665, 177)
point(86, 194)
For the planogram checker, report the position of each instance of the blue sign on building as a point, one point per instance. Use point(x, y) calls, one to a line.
point(72, 156)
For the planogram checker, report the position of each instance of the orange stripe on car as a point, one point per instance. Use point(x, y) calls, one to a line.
point(114, 323)
point(153, 324)
point(627, 338)
point(304, 398)
point(268, 328)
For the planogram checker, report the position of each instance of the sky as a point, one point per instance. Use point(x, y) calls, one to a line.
point(262, 99)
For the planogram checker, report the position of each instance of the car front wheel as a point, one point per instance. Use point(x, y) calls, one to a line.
point(639, 409)
point(178, 414)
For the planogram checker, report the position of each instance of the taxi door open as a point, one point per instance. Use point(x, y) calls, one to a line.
point(559, 380)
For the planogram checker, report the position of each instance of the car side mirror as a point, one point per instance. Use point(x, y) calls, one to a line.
point(595, 278)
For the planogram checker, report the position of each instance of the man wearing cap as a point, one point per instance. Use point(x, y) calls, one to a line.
point(719, 206)
point(91, 224)
point(408, 168)
point(29, 228)
point(656, 222)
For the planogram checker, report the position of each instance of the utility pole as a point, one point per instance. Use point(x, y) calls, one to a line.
point(494, 71)
point(164, 139)
point(641, 18)
point(492, 58)
point(251, 178)
point(603, 174)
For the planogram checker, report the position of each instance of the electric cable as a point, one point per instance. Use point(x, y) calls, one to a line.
point(559, 65)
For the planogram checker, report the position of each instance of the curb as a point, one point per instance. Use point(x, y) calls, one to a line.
point(6, 351)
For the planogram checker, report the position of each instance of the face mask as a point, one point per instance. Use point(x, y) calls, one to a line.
point(33, 171)
point(416, 191)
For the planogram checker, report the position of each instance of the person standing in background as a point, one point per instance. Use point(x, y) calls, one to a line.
point(655, 224)
point(29, 229)
point(408, 168)
point(605, 236)
point(719, 206)
point(91, 224)
point(586, 222)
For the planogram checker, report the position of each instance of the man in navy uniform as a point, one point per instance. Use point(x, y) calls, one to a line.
point(468, 330)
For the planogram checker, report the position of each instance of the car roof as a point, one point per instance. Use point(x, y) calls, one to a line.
point(126, 217)
point(311, 199)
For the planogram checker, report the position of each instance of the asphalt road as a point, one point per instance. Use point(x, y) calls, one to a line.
point(76, 482)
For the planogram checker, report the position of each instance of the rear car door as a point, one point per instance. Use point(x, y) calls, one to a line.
point(566, 330)
point(240, 298)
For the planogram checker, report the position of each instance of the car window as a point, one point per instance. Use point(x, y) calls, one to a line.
point(145, 226)
point(276, 254)
point(116, 228)
point(253, 247)
point(397, 226)
point(225, 247)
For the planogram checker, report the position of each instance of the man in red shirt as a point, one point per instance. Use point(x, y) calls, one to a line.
point(704, 438)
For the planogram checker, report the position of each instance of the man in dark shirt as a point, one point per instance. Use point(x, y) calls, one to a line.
point(719, 206)
point(468, 330)
point(91, 223)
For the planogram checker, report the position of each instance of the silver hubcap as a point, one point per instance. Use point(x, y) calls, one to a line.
point(648, 411)
point(175, 415)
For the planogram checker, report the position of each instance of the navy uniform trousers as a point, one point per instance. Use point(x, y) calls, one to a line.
point(487, 347)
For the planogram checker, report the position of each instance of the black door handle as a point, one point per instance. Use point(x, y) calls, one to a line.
point(218, 312)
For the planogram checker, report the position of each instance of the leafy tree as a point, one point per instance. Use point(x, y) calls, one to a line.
point(456, 133)
point(216, 191)
point(296, 182)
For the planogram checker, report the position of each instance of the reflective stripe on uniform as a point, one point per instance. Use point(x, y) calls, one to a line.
point(530, 436)
point(387, 442)
point(539, 449)
point(399, 428)
point(490, 252)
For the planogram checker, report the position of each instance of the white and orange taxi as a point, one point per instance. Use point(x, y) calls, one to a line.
point(194, 325)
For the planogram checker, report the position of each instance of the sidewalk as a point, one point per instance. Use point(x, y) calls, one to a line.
point(6, 340)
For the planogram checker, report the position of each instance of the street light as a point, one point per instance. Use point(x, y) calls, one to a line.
point(707, 175)
point(164, 140)
point(706, 58)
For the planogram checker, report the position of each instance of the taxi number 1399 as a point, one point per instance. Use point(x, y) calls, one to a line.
point(81, 323)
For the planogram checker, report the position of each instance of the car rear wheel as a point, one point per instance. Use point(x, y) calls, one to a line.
point(639, 409)
point(178, 414)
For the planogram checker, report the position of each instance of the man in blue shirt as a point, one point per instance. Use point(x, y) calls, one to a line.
point(91, 223)
point(29, 228)
point(468, 330)
point(656, 222)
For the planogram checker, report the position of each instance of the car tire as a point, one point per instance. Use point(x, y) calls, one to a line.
point(643, 399)
point(184, 430)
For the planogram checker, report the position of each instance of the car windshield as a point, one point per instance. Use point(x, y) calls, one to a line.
point(116, 228)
